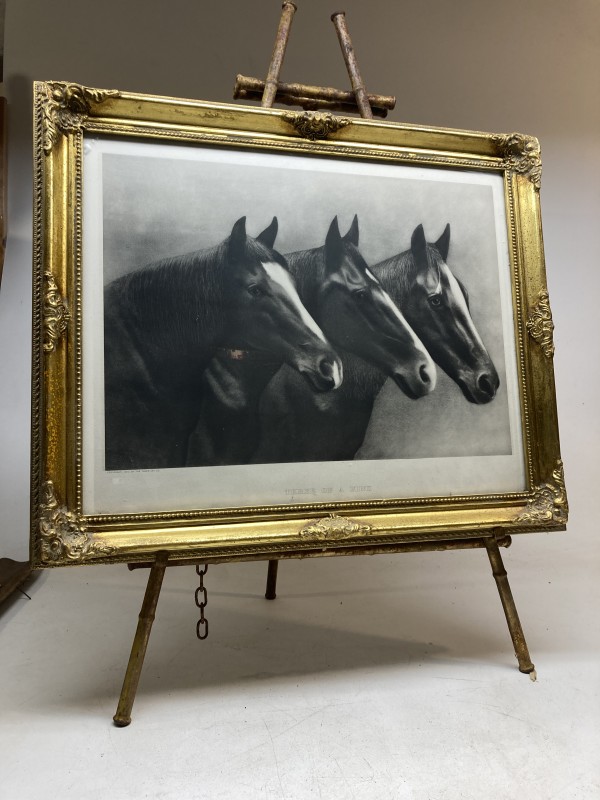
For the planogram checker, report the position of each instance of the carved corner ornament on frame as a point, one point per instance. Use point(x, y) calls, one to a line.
point(549, 501)
point(315, 125)
point(334, 527)
point(540, 324)
point(521, 154)
point(62, 534)
point(55, 313)
point(66, 107)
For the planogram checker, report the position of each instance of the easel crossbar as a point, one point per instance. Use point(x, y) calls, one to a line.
point(311, 98)
point(319, 552)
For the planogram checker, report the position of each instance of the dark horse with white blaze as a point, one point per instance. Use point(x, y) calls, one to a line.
point(163, 323)
point(436, 305)
point(354, 312)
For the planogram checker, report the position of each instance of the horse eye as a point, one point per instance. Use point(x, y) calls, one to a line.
point(361, 294)
point(255, 290)
point(435, 300)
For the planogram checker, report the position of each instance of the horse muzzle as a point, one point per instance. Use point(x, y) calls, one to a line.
point(418, 382)
point(324, 376)
point(480, 388)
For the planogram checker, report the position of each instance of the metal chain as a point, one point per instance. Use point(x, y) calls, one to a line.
point(201, 601)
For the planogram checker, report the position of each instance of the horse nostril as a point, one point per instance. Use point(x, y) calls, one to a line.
point(326, 368)
point(484, 383)
point(425, 377)
point(331, 370)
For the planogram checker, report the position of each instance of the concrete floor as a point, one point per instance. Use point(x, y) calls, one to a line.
point(385, 677)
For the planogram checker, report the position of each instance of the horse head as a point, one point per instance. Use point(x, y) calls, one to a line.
point(357, 314)
point(437, 306)
point(264, 312)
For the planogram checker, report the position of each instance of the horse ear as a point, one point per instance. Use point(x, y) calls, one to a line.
point(443, 243)
point(237, 240)
point(352, 235)
point(268, 236)
point(418, 245)
point(334, 246)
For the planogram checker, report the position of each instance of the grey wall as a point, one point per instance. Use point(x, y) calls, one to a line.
point(531, 67)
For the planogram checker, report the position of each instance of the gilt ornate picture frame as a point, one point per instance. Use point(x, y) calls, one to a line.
point(266, 334)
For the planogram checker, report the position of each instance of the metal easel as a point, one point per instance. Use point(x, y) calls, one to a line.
point(368, 105)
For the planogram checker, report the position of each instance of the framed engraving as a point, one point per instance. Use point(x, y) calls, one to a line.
point(260, 334)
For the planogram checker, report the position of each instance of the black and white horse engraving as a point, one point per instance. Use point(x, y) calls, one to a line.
point(355, 313)
point(163, 323)
point(436, 305)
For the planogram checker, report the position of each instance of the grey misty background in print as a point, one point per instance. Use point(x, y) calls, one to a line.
point(156, 208)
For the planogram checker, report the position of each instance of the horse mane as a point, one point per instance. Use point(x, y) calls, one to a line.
point(397, 274)
point(181, 298)
point(308, 269)
point(163, 297)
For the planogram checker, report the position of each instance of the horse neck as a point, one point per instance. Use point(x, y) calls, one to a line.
point(362, 382)
point(237, 379)
point(308, 270)
point(175, 306)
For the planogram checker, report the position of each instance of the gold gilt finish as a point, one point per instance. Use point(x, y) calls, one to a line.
point(540, 324)
point(334, 527)
point(522, 154)
point(510, 609)
point(315, 124)
point(65, 108)
point(549, 501)
point(122, 717)
point(56, 314)
point(62, 532)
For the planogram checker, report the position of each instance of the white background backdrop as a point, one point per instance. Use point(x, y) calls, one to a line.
point(377, 696)
point(531, 68)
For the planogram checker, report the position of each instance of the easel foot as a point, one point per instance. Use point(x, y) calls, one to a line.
point(271, 592)
point(138, 650)
point(510, 610)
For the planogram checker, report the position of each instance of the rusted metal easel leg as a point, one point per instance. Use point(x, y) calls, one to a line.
point(288, 10)
point(358, 86)
point(140, 641)
point(510, 610)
